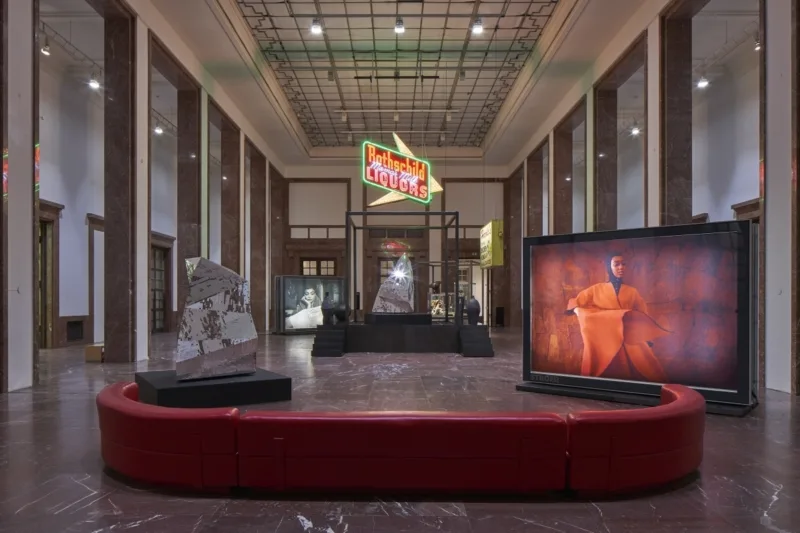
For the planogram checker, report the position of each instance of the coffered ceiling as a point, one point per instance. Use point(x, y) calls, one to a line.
point(438, 83)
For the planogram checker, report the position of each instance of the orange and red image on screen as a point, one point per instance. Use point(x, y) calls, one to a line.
point(661, 310)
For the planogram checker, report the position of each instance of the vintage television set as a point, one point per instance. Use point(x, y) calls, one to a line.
point(298, 301)
point(613, 315)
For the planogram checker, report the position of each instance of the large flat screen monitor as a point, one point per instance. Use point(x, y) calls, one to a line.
point(299, 301)
point(626, 311)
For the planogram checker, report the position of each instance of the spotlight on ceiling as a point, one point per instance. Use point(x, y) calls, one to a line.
point(158, 130)
point(225, 177)
point(462, 75)
point(635, 131)
point(757, 46)
point(193, 156)
point(448, 117)
point(441, 137)
point(702, 83)
point(477, 26)
point(93, 83)
point(46, 47)
point(397, 117)
point(601, 155)
point(398, 26)
point(344, 116)
point(568, 178)
point(349, 137)
point(316, 27)
point(330, 75)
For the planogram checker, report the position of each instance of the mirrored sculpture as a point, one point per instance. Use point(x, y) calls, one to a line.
point(217, 335)
point(396, 294)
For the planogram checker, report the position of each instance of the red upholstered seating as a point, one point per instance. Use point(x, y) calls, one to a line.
point(636, 448)
point(596, 451)
point(487, 452)
point(162, 445)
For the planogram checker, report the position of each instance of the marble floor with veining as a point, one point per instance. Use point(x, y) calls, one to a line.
point(52, 478)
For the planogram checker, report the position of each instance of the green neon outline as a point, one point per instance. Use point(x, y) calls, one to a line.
point(376, 185)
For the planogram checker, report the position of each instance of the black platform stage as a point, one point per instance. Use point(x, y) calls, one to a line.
point(161, 387)
point(335, 341)
point(405, 319)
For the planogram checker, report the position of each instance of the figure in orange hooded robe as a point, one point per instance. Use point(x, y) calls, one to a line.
point(617, 330)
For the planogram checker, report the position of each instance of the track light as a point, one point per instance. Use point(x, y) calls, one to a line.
point(635, 131)
point(158, 130)
point(46, 47)
point(398, 26)
point(702, 83)
point(316, 27)
point(344, 116)
point(93, 83)
point(477, 26)
point(330, 75)
point(462, 75)
point(448, 117)
point(757, 46)
point(397, 117)
point(441, 137)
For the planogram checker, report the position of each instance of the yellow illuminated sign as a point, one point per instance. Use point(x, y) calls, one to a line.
point(492, 244)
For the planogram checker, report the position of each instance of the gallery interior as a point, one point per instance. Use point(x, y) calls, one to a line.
point(365, 266)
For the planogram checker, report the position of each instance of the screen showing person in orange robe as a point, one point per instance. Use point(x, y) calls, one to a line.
point(659, 310)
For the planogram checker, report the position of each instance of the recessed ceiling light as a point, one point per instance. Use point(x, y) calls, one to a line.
point(702, 83)
point(398, 26)
point(477, 26)
point(316, 27)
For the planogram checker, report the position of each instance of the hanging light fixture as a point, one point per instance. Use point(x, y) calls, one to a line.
point(46, 47)
point(93, 82)
point(702, 83)
point(477, 26)
point(158, 130)
point(398, 26)
point(757, 46)
point(441, 137)
point(396, 116)
point(316, 27)
point(635, 130)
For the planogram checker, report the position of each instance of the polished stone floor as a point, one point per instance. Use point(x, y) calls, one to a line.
point(52, 478)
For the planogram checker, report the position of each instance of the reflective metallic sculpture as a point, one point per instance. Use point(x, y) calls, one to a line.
point(396, 294)
point(217, 335)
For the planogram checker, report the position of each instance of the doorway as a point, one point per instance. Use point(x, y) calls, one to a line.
point(158, 289)
point(45, 305)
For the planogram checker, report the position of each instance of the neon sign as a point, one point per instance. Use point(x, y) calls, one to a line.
point(396, 172)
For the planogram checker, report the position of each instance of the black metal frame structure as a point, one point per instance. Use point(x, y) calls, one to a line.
point(450, 220)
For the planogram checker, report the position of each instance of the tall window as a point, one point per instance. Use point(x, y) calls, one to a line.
point(319, 267)
point(386, 266)
point(158, 260)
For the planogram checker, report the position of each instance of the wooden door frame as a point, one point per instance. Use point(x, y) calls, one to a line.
point(166, 243)
point(98, 223)
point(50, 213)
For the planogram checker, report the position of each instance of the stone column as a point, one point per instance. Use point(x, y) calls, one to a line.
point(606, 159)
point(120, 198)
point(20, 224)
point(258, 238)
point(278, 229)
point(231, 201)
point(562, 180)
point(676, 142)
point(189, 224)
point(512, 239)
point(535, 192)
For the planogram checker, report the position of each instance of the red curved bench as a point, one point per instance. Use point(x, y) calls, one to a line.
point(614, 451)
point(596, 451)
point(167, 446)
point(487, 452)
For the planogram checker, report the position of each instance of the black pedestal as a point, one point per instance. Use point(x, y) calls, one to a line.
point(161, 387)
point(399, 319)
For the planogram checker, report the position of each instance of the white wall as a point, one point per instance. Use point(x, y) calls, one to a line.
point(214, 194)
point(317, 204)
point(71, 173)
point(164, 194)
point(725, 153)
point(476, 203)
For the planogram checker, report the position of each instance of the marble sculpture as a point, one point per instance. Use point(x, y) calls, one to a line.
point(396, 294)
point(217, 335)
